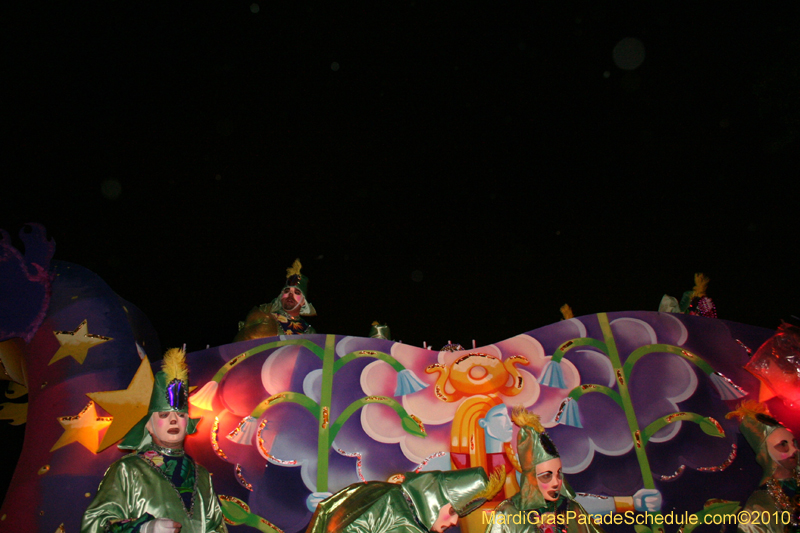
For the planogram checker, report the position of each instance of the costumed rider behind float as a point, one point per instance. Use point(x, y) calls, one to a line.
point(498, 431)
point(283, 315)
point(544, 498)
point(380, 331)
point(776, 451)
point(694, 302)
point(421, 502)
point(158, 488)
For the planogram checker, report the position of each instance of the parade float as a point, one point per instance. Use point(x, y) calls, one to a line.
point(635, 401)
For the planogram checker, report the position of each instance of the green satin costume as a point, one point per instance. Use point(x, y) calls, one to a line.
point(761, 501)
point(756, 425)
point(409, 507)
point(136, 489)
point(155, 482)
point(519, 514)
point(513, 507)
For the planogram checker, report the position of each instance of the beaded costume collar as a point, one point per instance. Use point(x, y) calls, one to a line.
point(169, 452)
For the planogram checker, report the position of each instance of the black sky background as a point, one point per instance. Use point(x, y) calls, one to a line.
point(457, 169)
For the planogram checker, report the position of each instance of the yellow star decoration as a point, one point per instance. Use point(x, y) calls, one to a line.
point(76, 343)
point(84, 428)
point(127, 406)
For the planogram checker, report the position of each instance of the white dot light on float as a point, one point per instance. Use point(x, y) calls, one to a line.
point(629, 53)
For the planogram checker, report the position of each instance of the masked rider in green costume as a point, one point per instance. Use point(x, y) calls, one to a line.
point(422, 502)
point(775, 506)
point(283, 315)
point(545, 502)
point(158, 488)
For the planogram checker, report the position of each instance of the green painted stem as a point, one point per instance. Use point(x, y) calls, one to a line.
point(665, 348)
point(313, 348)
point(576, 343)
point(323, 446)
point(322, 410)
point(622, 374)
point(358, 404)
point(702, 421)
point(386, 358)
point(627, 404)
point(580, 390)
point(283, 397)
point(238, 516)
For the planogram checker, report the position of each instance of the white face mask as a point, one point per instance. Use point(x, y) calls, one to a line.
point(168, 428)
point(782, 447)
point(292, 299)
point(447, 518)
point(549, 479)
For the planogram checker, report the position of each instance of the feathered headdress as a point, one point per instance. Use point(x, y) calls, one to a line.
point(534, 447)
point(756, 424)
point(294, 270)
point(700, 284)
point(295, 279)
point(522, 417)
point(174, 365)
point(170, 393)
point(496, 481)
point(748, 408)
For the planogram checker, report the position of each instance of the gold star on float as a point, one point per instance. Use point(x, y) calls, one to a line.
point(127, 406)
point(83, 428)
point(76, 343)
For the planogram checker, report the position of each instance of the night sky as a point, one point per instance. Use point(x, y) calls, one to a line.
point(458, 170)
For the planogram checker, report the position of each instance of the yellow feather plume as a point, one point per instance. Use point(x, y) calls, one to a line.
point(700, 284)
point(748, 407)
point(175, 365)
point(495, 484)
point(522, 417)
point(294, 269)
point(511, 455)
point(566, 312)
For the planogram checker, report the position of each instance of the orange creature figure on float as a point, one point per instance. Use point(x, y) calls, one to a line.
point(482, 431)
